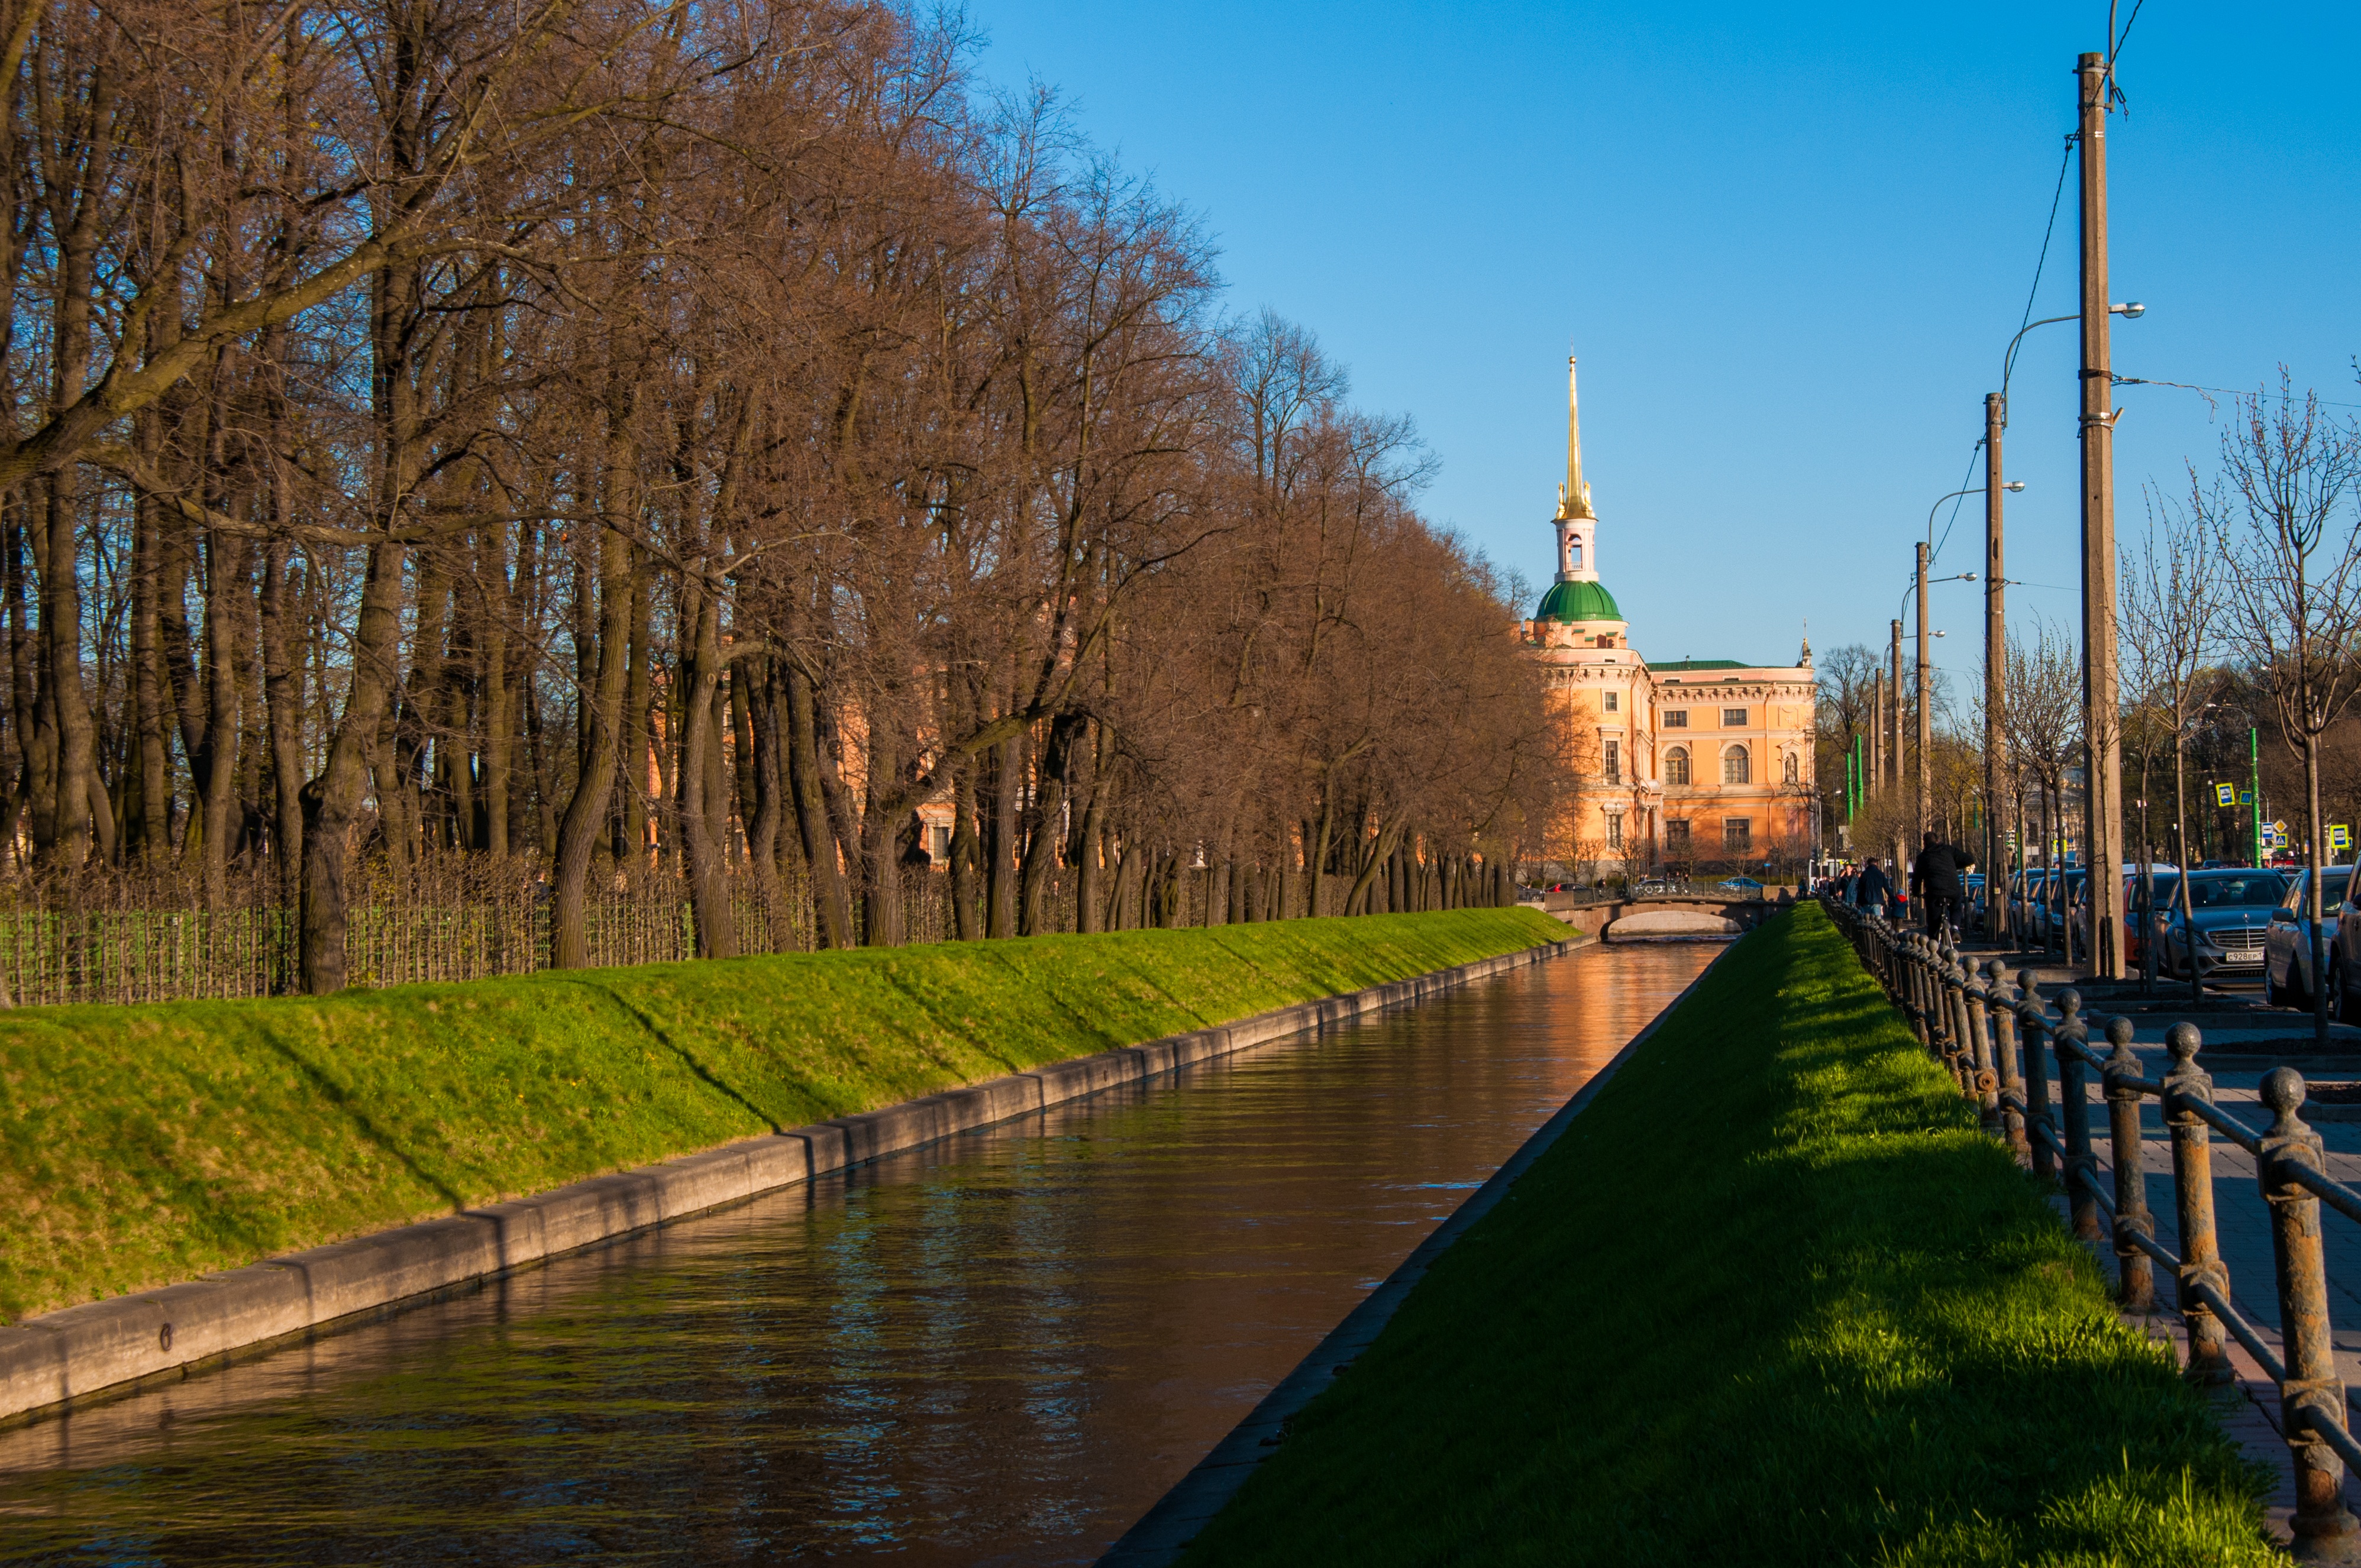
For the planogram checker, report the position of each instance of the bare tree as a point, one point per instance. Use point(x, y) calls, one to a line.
point(2174, 600)
point(2285, 507)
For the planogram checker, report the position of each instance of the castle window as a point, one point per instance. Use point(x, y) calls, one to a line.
point(1614, 762)
point(1733, 766)
point(1615, 831)
point(1677, 719)
point(1575, 553)
point(1677, 765)
point(1792, 777)
point(1737, 833)
point(1677, 833)
point(1614, 701)
point(1733, 718)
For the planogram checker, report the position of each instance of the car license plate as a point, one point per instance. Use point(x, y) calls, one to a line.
point(2243, 956)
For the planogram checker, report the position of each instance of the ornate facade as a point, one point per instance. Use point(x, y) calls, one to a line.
point(1696, 761)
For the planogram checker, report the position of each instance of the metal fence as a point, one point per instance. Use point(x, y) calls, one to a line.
point(131, 940)
point(2000, 1043)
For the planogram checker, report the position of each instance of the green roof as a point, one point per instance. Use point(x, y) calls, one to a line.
point(1578, 601)
point(1700, 664)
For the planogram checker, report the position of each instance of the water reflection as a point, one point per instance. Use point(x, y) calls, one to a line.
point(1001, 1349)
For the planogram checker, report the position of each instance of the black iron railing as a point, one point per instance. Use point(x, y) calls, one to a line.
point(2000, 1042)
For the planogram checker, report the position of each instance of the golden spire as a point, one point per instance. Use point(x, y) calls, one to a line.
point(1574, 496)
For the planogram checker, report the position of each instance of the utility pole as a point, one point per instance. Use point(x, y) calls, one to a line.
point(2255, 789)
point(1893, 753)
point(1893, 711)
point(1872, 778)
point(1926, 796)
point(2103, 791)
point(1995, 665)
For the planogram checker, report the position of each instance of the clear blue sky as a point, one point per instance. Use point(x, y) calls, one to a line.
point(1788, 243)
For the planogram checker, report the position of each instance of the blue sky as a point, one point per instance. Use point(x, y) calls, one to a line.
point(1788, 243)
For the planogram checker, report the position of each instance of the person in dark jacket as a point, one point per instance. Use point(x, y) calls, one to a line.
point(1872, 888)
point(1935, 875)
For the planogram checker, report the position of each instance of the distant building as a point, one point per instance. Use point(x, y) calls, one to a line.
point(1700, 760)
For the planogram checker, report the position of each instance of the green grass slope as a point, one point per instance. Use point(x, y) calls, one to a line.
point(1771, 1299)
point(140, 1146)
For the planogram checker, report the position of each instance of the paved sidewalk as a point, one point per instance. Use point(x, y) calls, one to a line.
point(2242, 1224)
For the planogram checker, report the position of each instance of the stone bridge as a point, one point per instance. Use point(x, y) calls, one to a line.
point(1662, 914)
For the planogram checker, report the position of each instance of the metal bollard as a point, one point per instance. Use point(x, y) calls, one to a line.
point(2000, 1025)
point(2192, 1190)
point(2135, 1270)
point(2074, 1117)
point(2033, 1025)
point(2312, 1394)
point(1987, 1082)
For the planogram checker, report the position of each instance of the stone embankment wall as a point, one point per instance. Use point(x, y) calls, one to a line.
point(49, 1362)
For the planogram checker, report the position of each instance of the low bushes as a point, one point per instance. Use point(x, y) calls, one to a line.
point(140, 1146)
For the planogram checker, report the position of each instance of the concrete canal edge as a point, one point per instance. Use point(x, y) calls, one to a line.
point(105, 1349)
point(1157, 1539)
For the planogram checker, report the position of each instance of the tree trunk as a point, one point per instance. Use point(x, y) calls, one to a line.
point(700, 680)
point(812, 818)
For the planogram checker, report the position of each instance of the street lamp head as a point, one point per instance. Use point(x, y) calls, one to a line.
point(2130, 312)
point(1967, 577)
point(2013, 485)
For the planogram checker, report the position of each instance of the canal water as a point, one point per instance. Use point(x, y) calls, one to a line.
point(1000, 1349)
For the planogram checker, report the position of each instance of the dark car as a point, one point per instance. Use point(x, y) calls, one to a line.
point(2230, 913)
point(2286, 956)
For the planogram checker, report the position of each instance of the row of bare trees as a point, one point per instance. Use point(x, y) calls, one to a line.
point(2240, 608)
point(591, 435)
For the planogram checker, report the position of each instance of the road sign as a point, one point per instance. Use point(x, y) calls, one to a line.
point(2280, 828)
point(2246, 797)
point(2340, 836)
point(2225, 794)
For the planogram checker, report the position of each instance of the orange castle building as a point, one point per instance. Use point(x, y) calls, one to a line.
point(1697, 760)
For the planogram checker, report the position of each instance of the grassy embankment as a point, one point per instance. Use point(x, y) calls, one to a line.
point(1771, 1299)
point(140, 1146)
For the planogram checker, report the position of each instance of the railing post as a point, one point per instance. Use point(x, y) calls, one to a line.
point(2033, 1024)
point(1999, 1027)
point(1951, 975)
point(2135, 1270)
point(2074, 1117)
point(1914, 991)
point(2192, 1192)
point(1973, 1002)
point(2312, 1394)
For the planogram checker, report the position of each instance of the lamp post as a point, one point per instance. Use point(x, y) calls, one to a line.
point(1996, 578)
point(1926, 724)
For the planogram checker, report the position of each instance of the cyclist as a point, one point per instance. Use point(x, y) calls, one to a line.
point(1936, 874)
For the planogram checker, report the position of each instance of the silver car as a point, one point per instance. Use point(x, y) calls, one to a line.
point(2231, 912)
point(2286, 948)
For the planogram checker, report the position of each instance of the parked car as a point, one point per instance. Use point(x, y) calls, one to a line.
point(2136, 921)
point(2287, 946)
point(2054, 893)
point(1742, 886)
point(2230, 911)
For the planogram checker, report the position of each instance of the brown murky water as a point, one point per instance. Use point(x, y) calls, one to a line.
point(999, 1349)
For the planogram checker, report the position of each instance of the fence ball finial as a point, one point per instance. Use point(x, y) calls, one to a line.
point(2119, 1034)
point(2028, 981)
point(2184, 1042)
point(2283, 1092)
point(2069, 1002)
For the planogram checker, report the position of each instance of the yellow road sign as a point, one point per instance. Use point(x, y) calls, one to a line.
point(2225, 794)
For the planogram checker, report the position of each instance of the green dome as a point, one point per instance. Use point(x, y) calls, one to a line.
point(1578, 601)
